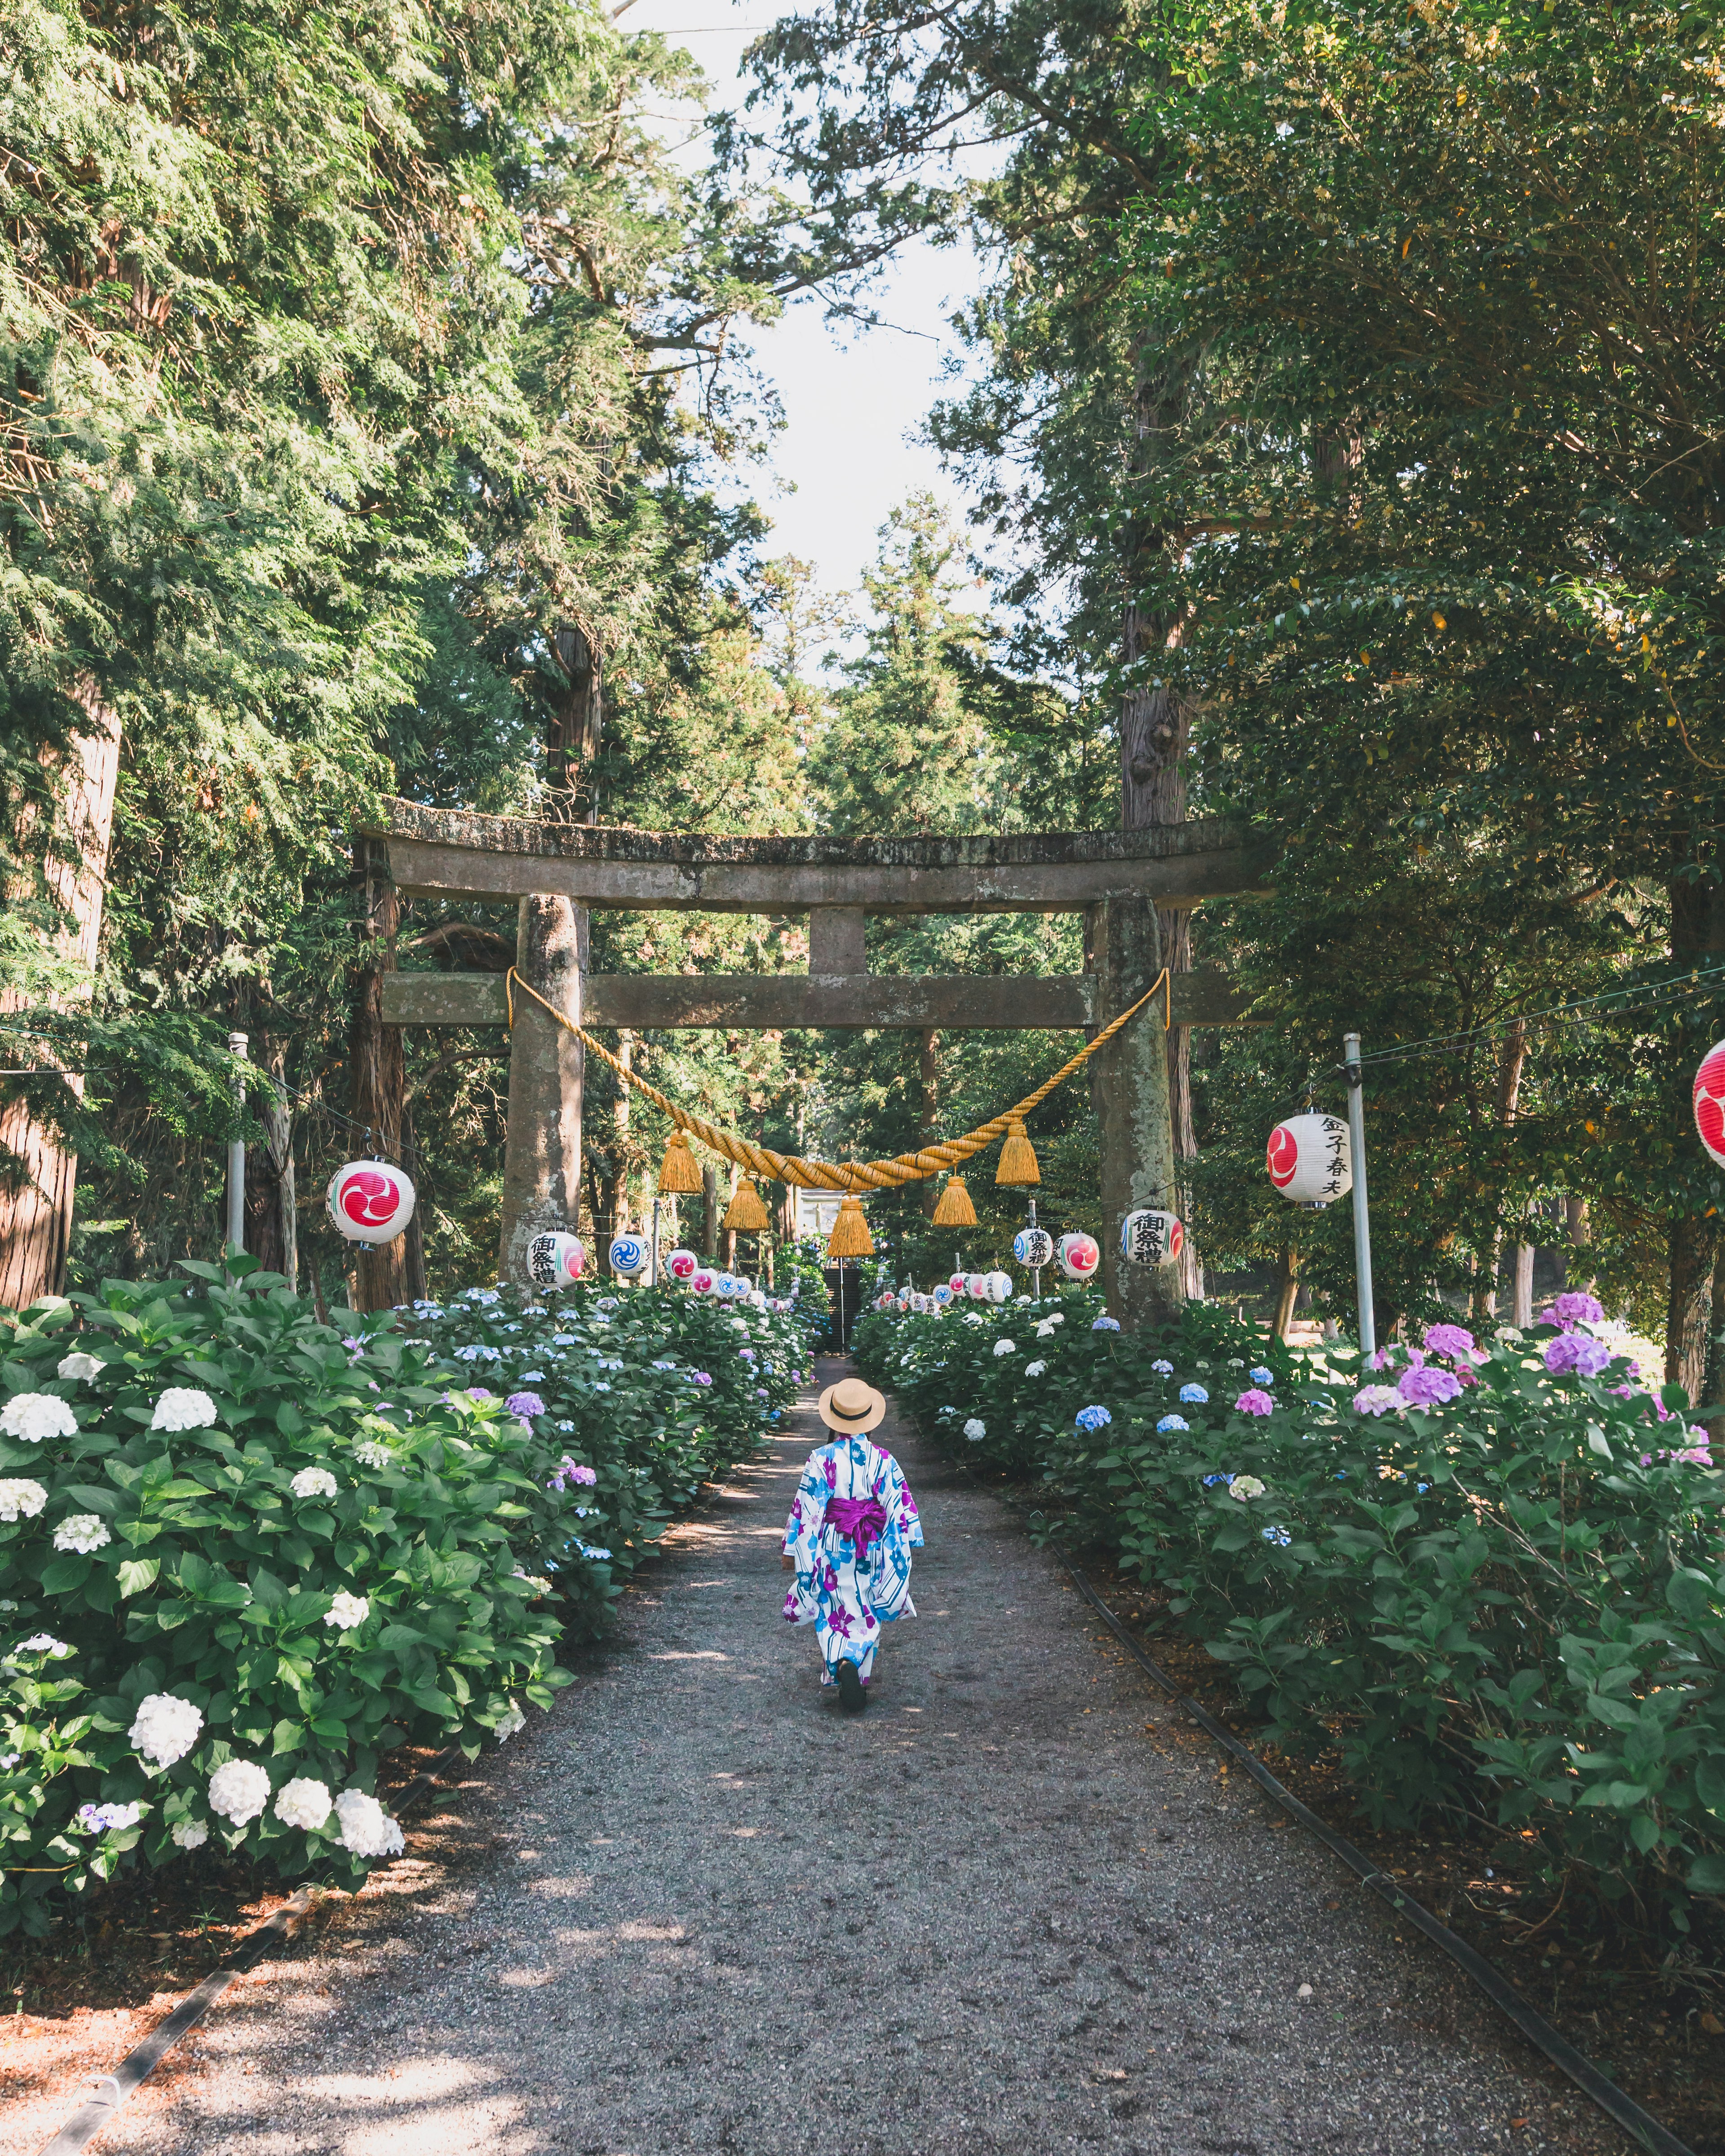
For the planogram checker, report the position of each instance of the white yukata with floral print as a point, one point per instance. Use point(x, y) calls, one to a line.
point(847, 1598)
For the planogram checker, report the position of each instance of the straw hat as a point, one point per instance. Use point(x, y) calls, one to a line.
point(850, 1406)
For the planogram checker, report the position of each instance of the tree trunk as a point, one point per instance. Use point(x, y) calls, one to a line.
point(1689, 1303)
point(1129, 1090)
point(272, 1225)
point(542, 1154)
point(1512, 1059)
point(709, 1214)
point(571, 735)
point(378, 1073)
point(37, 1195)
point(1523, 1314)
point(928, 1074)
point(1581, 1236)
point(1287, 1294)
point(727, 1236)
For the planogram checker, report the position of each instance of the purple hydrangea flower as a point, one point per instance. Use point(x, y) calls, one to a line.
point(1255, 1402)
point(1426, 1386)
point(480, 1393)
point(525, 1405)
point(1574, 1307)
point(703, 1377)
point(1577, 1351)
point(1449, 1340)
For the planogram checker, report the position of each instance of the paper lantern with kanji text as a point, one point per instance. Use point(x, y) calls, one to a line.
point(1309, 1159)
point(1148, 1237)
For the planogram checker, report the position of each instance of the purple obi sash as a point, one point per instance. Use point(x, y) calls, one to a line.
point(864, 1519)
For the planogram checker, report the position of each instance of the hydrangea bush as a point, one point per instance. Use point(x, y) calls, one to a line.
point(242, 1556)
point(628, 1399)
point(1490, 1572)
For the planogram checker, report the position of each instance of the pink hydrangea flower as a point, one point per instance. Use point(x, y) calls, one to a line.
point(1253, 1402)
point(1574, 1307)
point(1448, 1340)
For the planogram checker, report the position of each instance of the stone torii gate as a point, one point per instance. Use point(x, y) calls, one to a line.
point(557, 872)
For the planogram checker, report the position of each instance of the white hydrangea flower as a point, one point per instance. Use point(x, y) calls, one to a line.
point(20, 1500)
point(1034, 1369)
point(79, 1367)
point(82, 1533)
point(346, 1610)
point(313, 1482)
point(304, 1803)
point(191, 1833)
point(366, 1829)
point(1245, 1485)
point(45, 1643)
point(30, 1417)
point(511, 1721)
point(183, 1407)
point(1509, 1335)
point(166, 1728)
point(370, 1454)
point(975, 1431)
point(1006, 1347)
point(238, 1791)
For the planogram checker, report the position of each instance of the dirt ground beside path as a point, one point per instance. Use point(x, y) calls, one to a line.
point(1011, 1908)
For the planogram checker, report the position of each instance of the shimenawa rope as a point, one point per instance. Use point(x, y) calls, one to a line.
point(831, 1175)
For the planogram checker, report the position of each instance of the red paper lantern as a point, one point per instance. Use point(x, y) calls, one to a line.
point(1710, 1103)
point(369, 1201)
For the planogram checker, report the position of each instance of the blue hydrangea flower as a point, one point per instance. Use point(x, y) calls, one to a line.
point(1279, 1535)
point(1211, 1481)
point(525, 1405)
point(532, 1377)
point(600, 1386)
point(1106, 1325)
point(562, 1339)
point(1093, 1419)
point(1162, 1369)
point(1174, 1422)
point(565, 1425)
point(1193, 1395)
point(1262, 1377)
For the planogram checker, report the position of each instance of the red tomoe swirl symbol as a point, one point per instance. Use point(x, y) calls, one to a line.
point(1176, 1240)
point(1081, 1254)
point(1283, 1153)
point(371, 1198)
point(1710, 1101)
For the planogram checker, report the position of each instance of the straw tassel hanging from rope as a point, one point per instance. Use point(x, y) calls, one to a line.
point(850, 1237)
point(679, 1173)
point(745, 1210)
point(1018, 1155)
point(955, 1210)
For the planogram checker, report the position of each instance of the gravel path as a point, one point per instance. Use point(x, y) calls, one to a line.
point(1011, 1908)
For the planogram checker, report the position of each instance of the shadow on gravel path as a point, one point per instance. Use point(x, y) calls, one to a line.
point(1010, 1908)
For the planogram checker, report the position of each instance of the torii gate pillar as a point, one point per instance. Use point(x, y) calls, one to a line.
point(541, 1156)
point(1130, 1091)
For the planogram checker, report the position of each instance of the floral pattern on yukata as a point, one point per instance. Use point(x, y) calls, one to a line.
point(846, 1602)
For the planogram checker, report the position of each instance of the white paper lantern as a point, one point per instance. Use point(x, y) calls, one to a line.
point(886, 1303)
point(725, 1286)
point(1080, 1255)
point(369, 1201)
point(556, 1260)
point(919, 1304)
point(745, 1288)
point(1150, 1237)
point(628, 1256)
point(1709, 1099)
point(682, 1266)
point(1309, 1160)
point(703, 1281)
point(943, 1294)
point(1032, 1247)
point(957, 1283)
point(999, 1286)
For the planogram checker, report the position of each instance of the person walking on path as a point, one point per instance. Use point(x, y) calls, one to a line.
point(848, 1539)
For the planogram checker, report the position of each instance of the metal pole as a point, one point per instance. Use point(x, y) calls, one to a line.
point(1362, 1217)
point(236, 1151)
point(657, 1202)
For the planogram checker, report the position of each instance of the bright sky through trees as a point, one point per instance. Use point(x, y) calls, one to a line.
point(854, 399)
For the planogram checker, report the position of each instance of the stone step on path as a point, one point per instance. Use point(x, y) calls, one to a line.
point(1010, 1908)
